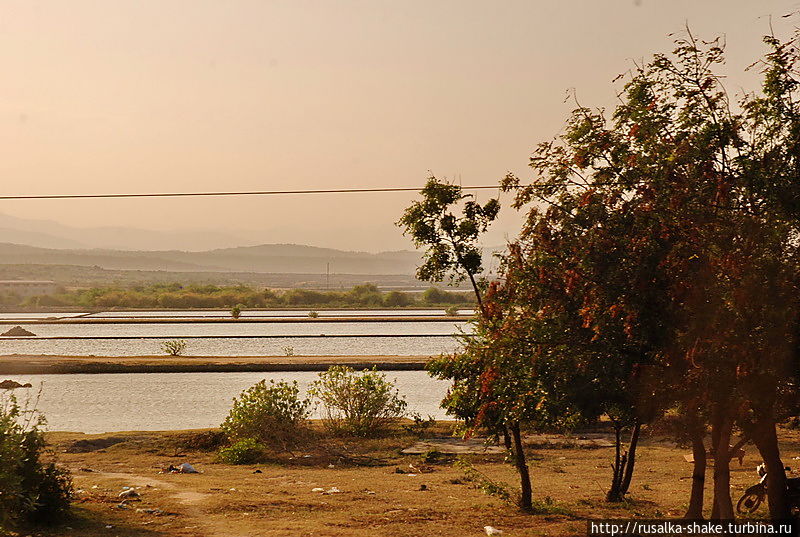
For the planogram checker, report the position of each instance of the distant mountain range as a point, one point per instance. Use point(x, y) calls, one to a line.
point(45, 242)
point(274, 258)
point(51, 234)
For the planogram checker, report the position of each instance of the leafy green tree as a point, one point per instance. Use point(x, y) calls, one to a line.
point(452, 249)
point(450, 240)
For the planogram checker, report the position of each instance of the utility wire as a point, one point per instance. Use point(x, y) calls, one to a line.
point(239, 193)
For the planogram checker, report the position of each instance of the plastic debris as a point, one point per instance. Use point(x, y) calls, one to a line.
point(490, 531)
point(187, 468)
point(184, 468)
point(128, 493)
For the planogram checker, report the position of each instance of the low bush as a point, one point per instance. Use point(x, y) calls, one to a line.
point(357, 403)
point(397, 299)
point(244, 451)
point(31, 491)
point(175, 347)
point(451, 310)
point(434, 295)
point(272, 413)
point(181, 296)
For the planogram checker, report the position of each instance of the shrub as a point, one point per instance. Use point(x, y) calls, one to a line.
point(313, 314)
point(31, 491)
point(244, 451)
point(451, 310)
point(174, 347)
point(397, 299)
point(236, 311)
point(298, 297)
point(357, 403)
point(272, 413)
point(367, 295)
point(434, 295)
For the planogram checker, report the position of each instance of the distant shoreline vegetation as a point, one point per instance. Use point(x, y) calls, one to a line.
point(179, 296)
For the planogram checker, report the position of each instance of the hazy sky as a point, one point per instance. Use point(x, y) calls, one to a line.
point(166, 95)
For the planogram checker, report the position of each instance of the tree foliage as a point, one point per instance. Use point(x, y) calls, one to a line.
point(656, 271)
point(660, 244)
point(31, 491)
point(450, 240)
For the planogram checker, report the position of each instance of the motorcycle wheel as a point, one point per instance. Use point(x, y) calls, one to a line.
point(749, 502)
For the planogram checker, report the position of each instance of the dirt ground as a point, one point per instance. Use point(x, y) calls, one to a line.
point(432, 498)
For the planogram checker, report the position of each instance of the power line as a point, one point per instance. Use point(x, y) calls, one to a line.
point(237, 193)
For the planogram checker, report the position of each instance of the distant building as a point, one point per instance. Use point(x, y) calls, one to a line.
point(25, 288)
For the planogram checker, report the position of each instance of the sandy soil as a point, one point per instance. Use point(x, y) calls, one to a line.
point(277, 498)
point(30, 365)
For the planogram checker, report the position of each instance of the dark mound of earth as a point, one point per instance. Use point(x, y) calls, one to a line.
point(17, 331)
point(13, 385)
point(93, 444)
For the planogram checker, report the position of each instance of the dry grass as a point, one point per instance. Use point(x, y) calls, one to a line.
point(228, 501)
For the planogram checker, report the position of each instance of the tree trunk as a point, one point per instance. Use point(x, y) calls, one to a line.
point(715, 432)
point(631, 459)
point(695, 510)
point(766, 440)
point(722, 474)
point(506, 438)
point(477, 294)
point(623, 463)
point(526, 493)
point(613, 494)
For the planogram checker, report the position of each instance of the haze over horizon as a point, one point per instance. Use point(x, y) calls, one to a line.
point(199, 95)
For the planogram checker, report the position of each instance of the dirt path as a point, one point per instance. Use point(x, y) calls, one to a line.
point(189, 500)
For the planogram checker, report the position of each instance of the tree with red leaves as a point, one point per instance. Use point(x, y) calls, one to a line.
point(660, 253)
